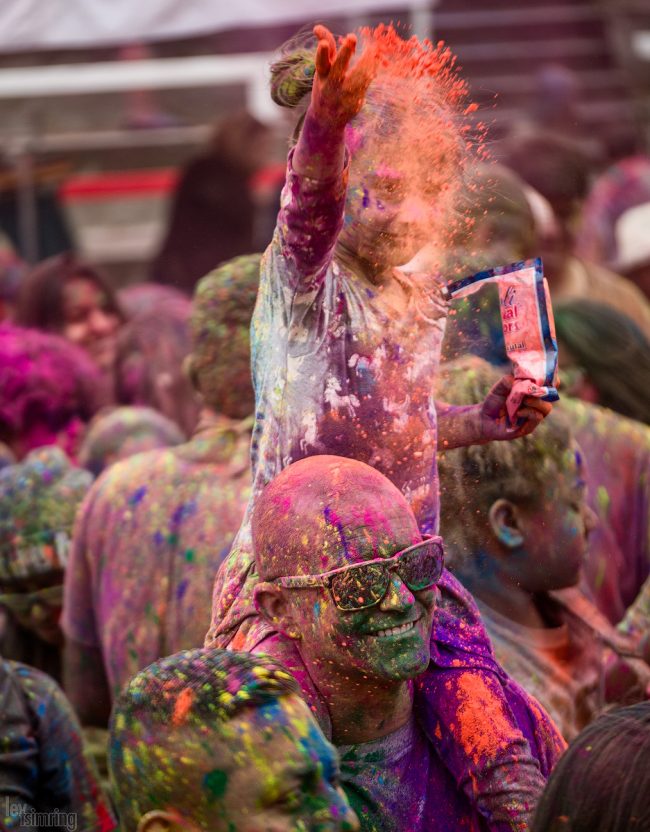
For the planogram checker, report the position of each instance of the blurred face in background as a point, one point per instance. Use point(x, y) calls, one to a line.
point(89, 320)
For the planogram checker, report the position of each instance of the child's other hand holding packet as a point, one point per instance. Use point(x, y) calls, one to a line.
point(528, 327)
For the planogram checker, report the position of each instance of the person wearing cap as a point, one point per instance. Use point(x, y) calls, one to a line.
point(155, 528)
point(38, 503)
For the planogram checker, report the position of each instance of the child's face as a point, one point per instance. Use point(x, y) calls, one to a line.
point(555, 531)
point(387, 221)
point(283, 776)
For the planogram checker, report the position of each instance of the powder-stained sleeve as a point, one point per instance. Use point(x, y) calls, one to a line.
point(497, 742)
point(78, 618)
point(64, 779)
point(309, 223)
point(18, 753)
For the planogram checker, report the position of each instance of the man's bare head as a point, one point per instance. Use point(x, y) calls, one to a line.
point(322, 513)
point(325, 511)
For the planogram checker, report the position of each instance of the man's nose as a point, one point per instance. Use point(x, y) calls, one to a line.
point(398, 596)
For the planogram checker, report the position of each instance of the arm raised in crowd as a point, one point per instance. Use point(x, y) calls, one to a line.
point(313, 200)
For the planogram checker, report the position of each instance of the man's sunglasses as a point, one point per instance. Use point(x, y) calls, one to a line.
point(358, 586)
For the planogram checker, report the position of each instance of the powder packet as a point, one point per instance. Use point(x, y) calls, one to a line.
point(528, 327)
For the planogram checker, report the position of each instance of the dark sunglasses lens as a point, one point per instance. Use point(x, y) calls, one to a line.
point(360, 587)
point(422, 567)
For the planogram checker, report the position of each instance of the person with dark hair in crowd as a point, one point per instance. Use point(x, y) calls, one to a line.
point(601, 784)
point(560, 171)
point(38, 503)
point(212, 216)
point(44, 772)
point(50, 391)
point(605, 357)
point(152, 350)
point(155, 528)
point(70, 298)
point(516, 520)
point(217, 741)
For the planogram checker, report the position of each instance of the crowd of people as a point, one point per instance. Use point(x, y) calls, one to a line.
point(275, 556)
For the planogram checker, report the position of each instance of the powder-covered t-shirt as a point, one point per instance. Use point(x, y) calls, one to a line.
point(335, 371)
point(561, 666)
point(398, 784)
point(149, 540)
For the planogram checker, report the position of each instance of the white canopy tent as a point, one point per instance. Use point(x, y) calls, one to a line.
point(63, 24)
point(36, 25)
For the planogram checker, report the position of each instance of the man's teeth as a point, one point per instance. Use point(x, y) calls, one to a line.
point(393, 631)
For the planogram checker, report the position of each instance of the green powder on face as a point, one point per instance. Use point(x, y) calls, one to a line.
point(215, 783)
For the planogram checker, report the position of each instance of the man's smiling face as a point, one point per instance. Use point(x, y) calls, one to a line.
point(385, 642)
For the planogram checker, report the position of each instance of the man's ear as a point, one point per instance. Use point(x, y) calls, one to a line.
point(505, 523)
point(165, 821)
point(272, 604)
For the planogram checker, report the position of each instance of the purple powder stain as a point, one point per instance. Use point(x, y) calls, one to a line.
point(137, 496)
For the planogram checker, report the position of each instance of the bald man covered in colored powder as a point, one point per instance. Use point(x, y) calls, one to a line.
point(349, 587)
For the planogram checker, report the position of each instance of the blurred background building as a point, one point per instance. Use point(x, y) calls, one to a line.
point(102, 106)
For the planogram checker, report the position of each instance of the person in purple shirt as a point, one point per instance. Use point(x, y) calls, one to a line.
point(350, 588)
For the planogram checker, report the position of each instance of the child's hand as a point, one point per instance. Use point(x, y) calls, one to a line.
point(339, 92)
point(493, 419)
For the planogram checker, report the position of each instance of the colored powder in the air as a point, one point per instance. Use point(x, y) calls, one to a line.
point(415, 123)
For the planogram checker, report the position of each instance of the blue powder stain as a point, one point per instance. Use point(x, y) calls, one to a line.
point(317, 609)
point(182, 513)
point(366, 198)
point(181, 589)
point(137, 496)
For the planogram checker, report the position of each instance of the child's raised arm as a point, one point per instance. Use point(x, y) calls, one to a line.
point(337, 96)
point(313, 200)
